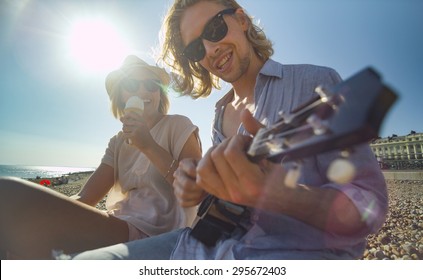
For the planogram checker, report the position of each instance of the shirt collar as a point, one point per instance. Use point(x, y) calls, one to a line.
point(271, 68)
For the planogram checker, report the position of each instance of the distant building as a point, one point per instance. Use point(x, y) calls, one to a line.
point(399, 152)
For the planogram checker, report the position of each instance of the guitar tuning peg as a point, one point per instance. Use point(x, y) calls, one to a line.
point(322, 92)
point(341, 171)
point(319, 126)
point(285, 117)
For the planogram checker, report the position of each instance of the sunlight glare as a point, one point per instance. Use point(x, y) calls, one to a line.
point(95, 45)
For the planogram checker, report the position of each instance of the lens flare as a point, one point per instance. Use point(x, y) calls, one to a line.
point(96, 45)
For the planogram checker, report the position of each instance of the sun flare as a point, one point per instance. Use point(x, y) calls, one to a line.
point(96, 45)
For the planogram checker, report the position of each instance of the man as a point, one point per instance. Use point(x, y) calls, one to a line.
point(314, 218)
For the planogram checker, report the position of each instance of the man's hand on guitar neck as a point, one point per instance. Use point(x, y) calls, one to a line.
point(186, 189)
point(227, 173)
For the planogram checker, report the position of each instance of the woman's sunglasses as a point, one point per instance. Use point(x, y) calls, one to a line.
point(133, 85)
point(214, 31)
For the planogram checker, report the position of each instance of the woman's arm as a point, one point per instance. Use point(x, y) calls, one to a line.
point(164, 162)
point(97, 186)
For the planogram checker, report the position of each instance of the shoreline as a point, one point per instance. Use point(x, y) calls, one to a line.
point(401, 236)
point(37, 171)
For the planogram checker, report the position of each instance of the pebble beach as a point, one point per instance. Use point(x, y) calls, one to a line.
point(400, 238)
point(75, 182)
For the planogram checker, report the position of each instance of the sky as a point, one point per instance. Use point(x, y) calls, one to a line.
point(55, 55)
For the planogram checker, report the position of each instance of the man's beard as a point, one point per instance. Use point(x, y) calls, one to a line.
point(243, 68)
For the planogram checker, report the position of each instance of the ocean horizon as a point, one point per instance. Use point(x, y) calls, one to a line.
point(34, 171)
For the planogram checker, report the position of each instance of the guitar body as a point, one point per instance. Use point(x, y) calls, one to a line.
point(347, 114)
point(217, 218)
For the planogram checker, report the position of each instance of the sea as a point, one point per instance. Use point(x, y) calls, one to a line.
point(32, 171)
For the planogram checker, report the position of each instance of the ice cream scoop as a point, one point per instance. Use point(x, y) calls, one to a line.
point(134, 104)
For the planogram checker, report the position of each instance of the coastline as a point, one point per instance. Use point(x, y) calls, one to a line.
point(46, 171)
point(401, 237)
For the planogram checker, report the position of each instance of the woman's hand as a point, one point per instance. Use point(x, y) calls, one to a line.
point(137, 130)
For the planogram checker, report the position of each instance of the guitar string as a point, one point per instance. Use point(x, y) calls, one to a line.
point(282, 135)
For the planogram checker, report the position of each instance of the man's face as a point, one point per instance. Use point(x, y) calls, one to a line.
point(214, 36)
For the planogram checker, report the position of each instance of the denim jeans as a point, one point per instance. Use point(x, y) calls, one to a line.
point(158, 247)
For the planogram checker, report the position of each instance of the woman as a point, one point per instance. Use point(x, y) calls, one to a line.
point(136, 173)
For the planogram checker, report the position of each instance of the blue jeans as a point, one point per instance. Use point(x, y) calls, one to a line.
point(158, 247)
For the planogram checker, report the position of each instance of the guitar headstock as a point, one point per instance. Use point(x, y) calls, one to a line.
point(342, 116)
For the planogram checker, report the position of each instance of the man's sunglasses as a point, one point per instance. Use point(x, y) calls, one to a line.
point(214, 31)
point(133, 85)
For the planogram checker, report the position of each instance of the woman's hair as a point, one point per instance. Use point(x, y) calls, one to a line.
point(192, 78)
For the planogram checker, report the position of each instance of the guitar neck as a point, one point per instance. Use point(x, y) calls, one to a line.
point(347, 114)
